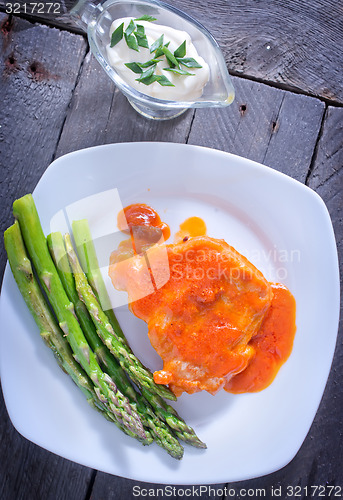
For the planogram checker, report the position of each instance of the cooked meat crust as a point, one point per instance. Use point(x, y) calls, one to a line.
point(203, 304)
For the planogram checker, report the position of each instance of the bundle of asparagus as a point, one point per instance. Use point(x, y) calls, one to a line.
point(88, 343)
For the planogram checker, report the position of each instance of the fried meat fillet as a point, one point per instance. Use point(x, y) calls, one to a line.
point(210, 302)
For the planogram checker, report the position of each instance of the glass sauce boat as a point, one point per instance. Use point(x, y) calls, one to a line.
point(96, 19)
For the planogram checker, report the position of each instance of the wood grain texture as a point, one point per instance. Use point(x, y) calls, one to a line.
point(295, 43)
point(114, 488)
point(265, 124)
point(38, 71)
point(100, 114)
point(319, 461)
point(327, 174)
point(326, 177)
point(55, 13)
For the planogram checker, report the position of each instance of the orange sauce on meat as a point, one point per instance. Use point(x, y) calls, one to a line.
point(255, 364)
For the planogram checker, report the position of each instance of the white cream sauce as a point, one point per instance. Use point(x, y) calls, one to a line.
point(187, 88)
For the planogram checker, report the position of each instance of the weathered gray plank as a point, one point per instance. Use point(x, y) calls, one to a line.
point(51, 13)
point(38, 72)
point(27, 472)
point(100, 114)
point(326, 177)
point(295, 43)
point(113, 488)
point(319, 461)
point(265, 124)
point(327, 171)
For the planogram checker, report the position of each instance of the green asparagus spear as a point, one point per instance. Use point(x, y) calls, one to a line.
point(105, 358)
point(89, 262)
point(129, 362)
point(48, 327)
point(169, 415)
point(159, 431)
point(90, 265)
point(25, 212)
point(162, 434)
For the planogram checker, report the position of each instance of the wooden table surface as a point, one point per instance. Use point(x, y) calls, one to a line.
point(286, 61)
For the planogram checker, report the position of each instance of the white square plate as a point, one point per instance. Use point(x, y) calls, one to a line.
point(282, 226)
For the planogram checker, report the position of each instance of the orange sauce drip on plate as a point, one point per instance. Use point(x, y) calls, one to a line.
point(272, 344)
point(193, 226)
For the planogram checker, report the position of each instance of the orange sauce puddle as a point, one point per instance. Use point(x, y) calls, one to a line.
point(272, 344)
point(193, 226)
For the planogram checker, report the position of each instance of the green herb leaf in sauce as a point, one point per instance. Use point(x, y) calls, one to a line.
point(141, 40)
point(170, 57)
point(141, 36)
point(132, 42)
point(180, 51)
point(178, 71)
point(147, 77)
point(157, 44)
point(189, 62)
point(134, 67)
point(149, 63)
point(148, 80)
point(146, 18)
point(117, 35)
point(140, 29)
point(163, 80)
point(131, 28)
point(159, 52)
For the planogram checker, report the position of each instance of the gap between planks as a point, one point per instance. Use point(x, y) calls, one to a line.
point(316, 147)
point(91, 485)
point(287, 88)
point(71, 98)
